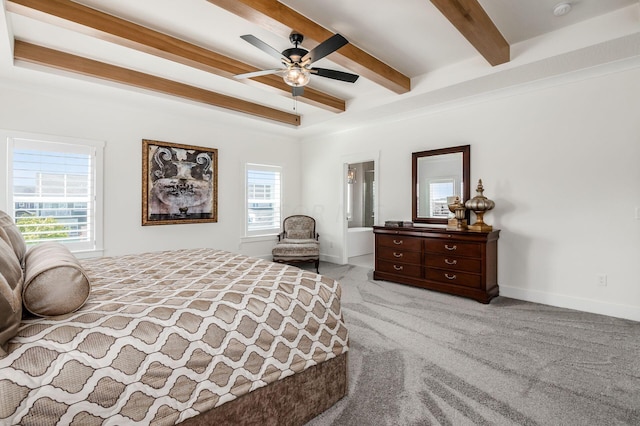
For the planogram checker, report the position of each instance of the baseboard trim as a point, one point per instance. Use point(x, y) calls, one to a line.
point(331, 259)
point(579, 304)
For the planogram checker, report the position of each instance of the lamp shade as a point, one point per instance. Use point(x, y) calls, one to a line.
point(296, 76)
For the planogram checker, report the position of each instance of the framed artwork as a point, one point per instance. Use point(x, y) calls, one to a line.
point(179, 183)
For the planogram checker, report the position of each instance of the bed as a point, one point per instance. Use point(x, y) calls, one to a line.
point(195, 336)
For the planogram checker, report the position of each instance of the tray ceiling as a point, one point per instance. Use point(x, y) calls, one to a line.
point(403, 50)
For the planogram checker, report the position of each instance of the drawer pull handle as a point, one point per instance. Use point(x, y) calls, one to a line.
point(450, 277)
point(398, 268)
point(397, 254)
point(396, 242)
point(450, 248)
point(450, 262)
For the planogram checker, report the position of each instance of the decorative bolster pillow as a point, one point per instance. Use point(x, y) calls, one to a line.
point(54, 283)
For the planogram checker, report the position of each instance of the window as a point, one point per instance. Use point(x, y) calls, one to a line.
point(264, 196)
point(54, 189)
point(440, 190)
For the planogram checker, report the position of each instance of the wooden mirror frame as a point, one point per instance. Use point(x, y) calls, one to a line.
point(466, 176)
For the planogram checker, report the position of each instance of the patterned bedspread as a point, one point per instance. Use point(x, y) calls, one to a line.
point(165, 336)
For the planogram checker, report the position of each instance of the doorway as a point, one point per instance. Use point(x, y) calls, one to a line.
point(361, 181)
point(360, 211)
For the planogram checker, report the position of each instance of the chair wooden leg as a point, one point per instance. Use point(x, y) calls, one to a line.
point(317, 265)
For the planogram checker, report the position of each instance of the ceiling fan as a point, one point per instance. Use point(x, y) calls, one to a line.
point(297, 61)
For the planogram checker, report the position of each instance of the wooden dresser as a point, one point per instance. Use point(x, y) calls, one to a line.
point(457, 262)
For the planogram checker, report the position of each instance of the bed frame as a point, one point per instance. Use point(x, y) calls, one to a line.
point(291, 401)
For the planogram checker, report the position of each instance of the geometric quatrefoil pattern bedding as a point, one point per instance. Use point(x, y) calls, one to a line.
point(165, 336)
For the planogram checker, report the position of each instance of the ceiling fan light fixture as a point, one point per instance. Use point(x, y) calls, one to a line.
point(296, 76)
point(296, 61)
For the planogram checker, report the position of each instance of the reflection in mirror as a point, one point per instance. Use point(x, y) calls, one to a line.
point(360, 194)
point(438, 176)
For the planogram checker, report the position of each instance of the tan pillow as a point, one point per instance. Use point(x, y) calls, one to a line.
point(10, 295)
point(298, 234)
point(10, 233)
point(54, 282)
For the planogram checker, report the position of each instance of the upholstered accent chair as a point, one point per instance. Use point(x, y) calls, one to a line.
point(298, 241)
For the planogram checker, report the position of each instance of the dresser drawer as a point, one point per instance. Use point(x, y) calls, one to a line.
point(453, 248)
point(394, 254)
point(453, 277)
point(400, 242)
point(398, 268)
point(453, 263)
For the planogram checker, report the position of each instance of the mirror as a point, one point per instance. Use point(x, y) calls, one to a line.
point(438, 174)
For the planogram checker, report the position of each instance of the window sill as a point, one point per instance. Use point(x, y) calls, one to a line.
point(88, 254)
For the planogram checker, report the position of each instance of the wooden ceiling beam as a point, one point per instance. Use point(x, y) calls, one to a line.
point(86, 20)
point(67, 62)
point(280, 19)
point(476, 26)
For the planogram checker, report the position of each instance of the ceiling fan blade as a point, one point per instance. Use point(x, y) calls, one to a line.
point(255, 41)
point(256, 73)
point(297, 90)
point(328, 46)
point(336, 75)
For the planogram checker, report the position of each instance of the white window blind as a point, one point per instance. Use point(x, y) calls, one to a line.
point(263, 197)
point(53, 189)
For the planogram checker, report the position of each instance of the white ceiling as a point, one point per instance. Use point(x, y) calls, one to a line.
point(412, 36)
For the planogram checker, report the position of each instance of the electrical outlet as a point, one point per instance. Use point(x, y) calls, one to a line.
point(602, 280)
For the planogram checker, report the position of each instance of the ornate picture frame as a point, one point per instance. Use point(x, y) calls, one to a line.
point(179, 183)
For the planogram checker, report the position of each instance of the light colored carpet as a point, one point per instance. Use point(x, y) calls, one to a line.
point(419, 357)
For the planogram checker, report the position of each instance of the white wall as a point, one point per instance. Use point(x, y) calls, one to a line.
point(122, 119)
point(561, 164)
point(560, 161)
